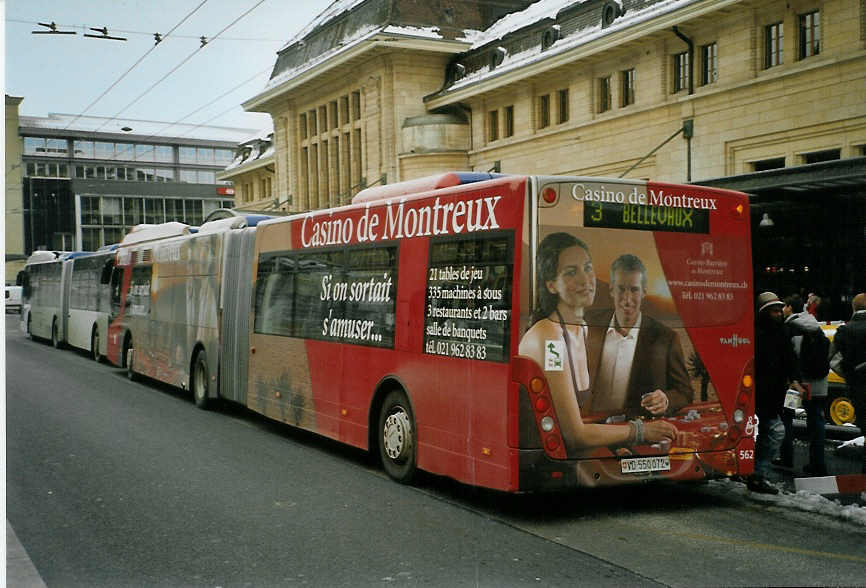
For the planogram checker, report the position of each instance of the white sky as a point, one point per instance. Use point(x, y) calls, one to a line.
point(66, 73)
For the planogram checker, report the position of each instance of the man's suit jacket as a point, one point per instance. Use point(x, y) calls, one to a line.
point(658, 362)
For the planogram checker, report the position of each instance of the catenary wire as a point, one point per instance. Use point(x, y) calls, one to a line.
point(134, 65)
point(179, 65)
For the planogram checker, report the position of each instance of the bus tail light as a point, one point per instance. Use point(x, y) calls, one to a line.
point(744, 402)
point(545, 416)
point(739, 211)
point(528, 374)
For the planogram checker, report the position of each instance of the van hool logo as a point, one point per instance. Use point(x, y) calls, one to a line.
point(735, 340)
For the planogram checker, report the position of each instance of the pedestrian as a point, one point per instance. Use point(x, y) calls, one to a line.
point(811, 347)
point(811, 305)
point(850, 342)
point(775, 370)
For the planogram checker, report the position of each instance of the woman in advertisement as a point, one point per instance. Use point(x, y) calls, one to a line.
point(556, 340)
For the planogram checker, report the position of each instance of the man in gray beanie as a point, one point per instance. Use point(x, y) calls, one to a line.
point(775, 371)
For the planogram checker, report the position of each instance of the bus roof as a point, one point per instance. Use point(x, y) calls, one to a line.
point(426, 184)
point(145, 232)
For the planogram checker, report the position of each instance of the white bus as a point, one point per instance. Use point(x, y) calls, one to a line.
point(42, 300)
point(86, 289)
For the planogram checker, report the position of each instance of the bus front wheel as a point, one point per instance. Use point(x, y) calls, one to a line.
point(397, 438)
point(200, 380)
point(94, 346)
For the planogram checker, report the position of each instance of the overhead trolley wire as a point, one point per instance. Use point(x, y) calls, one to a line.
point(146, 34)
point(133, 66)
point(179, 65)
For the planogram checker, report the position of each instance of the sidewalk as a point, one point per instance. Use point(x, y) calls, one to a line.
point(839, 463)
point(20, 571)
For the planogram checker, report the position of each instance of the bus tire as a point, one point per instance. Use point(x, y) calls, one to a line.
point(127, 359)
point(200, 380)
point(94, 346)
point(55, 335)
point(397, 437)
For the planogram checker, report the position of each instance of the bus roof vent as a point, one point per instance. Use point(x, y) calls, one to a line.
point(223, 224)
point(144, 232)
point(42, 256)
point(419, 185)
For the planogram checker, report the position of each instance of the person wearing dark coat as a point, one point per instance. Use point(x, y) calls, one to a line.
point(775, 371)
point(850, 342)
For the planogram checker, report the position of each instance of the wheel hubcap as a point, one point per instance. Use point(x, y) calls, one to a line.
point(200, 382)
point(398, 435)
point(842, 411)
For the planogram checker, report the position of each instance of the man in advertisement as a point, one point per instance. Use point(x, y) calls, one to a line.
point(636, 363)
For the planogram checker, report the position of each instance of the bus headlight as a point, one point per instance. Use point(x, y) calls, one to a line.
point(739, 416)
point(547, 424)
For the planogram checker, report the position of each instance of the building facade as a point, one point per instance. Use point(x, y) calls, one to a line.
point(759, 95)
point(252, 173)
point(85, 181)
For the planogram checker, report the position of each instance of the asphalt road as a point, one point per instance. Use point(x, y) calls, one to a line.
point(118, 483)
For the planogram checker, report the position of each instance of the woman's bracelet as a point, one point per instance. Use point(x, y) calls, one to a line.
point(636, 437)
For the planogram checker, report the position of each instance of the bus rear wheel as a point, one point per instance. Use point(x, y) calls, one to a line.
point(200, 380)
point(397, 438)
point(94, 346)
point(55, 335)
point(127, 359)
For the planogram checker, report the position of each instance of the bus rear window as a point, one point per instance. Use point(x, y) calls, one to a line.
point(468, 309)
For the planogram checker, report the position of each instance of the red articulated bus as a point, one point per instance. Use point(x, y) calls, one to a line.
point(518, 333)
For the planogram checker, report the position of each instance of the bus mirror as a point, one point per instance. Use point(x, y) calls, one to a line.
point(106, 272)
point(23, 280)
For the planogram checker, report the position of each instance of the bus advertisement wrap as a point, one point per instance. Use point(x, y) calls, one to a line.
point(512, 332)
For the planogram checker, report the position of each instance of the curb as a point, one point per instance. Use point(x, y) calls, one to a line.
point(842, 484)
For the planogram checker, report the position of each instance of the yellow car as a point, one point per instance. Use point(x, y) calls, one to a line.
point(840, 406)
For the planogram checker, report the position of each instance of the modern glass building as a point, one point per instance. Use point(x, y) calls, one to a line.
point(88, 180)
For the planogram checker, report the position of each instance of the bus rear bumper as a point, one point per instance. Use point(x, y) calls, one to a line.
point(538, 472)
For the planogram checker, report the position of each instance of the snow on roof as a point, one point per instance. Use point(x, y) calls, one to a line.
point(362, 34)
point(517, 20)
point(548, 9)
point(335, 9)
point(139, 128)
point(347, 43)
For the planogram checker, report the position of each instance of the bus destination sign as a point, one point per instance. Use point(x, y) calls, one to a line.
point(646, 217)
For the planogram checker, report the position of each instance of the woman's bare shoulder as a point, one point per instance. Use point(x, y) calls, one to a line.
point(534, 338)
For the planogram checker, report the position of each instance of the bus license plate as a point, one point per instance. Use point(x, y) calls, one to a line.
point(637, 465)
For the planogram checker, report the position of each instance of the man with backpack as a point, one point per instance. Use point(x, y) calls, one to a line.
point(812, 349)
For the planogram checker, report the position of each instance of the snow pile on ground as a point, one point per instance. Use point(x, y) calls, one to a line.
point(803, 500)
